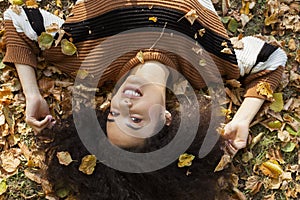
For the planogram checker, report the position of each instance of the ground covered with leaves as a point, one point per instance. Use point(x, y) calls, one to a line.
point(268, 168)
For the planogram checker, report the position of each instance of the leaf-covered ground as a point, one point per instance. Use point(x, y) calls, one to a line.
point(267, 169)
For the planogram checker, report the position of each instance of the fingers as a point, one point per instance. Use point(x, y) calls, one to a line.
point(38, 126)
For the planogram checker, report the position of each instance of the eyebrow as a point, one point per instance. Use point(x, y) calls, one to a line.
point(110, 120)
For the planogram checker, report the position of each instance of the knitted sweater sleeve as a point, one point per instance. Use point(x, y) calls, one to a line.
point(258, 62)
point(21, 39)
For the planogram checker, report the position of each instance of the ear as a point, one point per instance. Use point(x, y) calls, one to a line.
point(168, 117)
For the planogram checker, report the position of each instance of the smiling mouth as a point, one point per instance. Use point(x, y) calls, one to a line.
point(132, 93)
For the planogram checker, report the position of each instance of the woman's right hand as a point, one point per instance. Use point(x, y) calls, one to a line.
point(37, 113)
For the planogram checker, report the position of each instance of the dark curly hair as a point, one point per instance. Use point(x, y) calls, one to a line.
point(195, 182)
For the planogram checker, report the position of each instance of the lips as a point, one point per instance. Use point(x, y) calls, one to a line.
point(132, 93)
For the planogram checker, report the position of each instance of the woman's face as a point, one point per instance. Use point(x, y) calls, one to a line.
point(137, 112)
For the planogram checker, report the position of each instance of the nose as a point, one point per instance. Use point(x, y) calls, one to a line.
point(126, 103)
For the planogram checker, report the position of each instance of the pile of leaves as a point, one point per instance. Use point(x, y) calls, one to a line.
point(268, 168)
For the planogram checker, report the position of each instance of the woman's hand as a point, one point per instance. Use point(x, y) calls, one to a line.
point(37, 113)
point(236, 132)
point(37, 110)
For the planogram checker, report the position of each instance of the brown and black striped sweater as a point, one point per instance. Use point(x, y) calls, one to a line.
point(109, 34)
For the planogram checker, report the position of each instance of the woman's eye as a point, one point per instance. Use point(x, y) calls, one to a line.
point(136, 120)
point(114, 114)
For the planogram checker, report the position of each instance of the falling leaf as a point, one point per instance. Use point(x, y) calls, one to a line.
point(3, 186)
point(185, 160)
point(88, 164)
point(64, 158)
point(45, 41)
point(264, 89)
point(226, 51)
point(225, 160)
point(201, 32)
point(180, 87)
point(140, 57)
point(289, 147)
point(191, 16)
point(271, 168)
point(154, 19)
point(68, 48)
point(277, 104)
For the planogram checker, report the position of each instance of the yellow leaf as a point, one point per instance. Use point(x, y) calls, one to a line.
point(271, 168)
point(191, 16)
point(82, 74)
point(3, 186)
point(154, 19)
point(58, 3)
point(264, 89)
point(292, 45)
point(271, 19)
point(88, 164)
point(64, 158)
point(277, 104)
point(140, 57)
point(185, 160)
point(201, 32)
point(68, 48)
point(202, 62)
point(16, 2)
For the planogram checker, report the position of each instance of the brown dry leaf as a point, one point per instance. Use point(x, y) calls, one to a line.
point(264, 89)
point(226, 50)
point(253, 184)
point(271, 168)
point(10, 160)
point(225, 160)
point(140, 57)
point(88, 164)
point(64, 158)
point(298, 56)
point(34, 175)
point(191, 16)
point(185, 160)
point(234, 83)
point(240, 195)
point(292, 45)
point(232, 96)
point(16, 9)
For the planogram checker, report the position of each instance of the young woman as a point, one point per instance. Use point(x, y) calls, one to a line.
point(94, 22)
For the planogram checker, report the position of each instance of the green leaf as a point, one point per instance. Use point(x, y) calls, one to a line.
point(226, 19)
point(289, 147)
point(275, 124)
point(63, 192)
point(291, 131)
point(233, 25)
point(3, 187)
point(2, 65)
point(45, 41)
point(277, 104)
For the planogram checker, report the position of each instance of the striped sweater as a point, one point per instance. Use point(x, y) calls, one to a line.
point(176, 42)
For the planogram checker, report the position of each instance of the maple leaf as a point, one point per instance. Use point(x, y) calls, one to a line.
point(264, 89)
